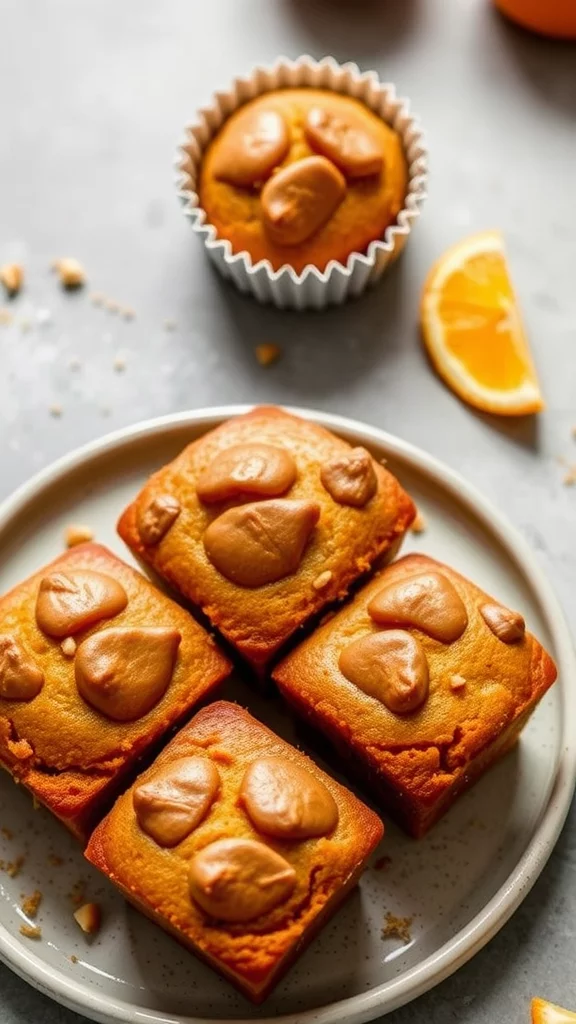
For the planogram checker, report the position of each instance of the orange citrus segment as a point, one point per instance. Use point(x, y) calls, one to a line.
point(548, 1013)
point(473, 332)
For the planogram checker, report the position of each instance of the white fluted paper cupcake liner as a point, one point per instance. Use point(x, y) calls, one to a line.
point(312, 288)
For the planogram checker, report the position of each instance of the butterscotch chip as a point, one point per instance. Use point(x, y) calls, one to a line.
point(68, 647)
point(12, 277)
point(507, 625)
point(239, 879)
point(30, 931)
point(286, 801)
point(124, 672)
point(390, 666)
point(261, 542)
point(300, 198)
point(76, 533)
point(344, 140)
point(20, 677)
point(157, 517)
point(172, 803)
point(69, 602)
point(254, 144)
point(350, 479)
point(262, 470)
point(427, 601)
point(89, 918)
point(322, 580)
point(70, 272)
point(267, 353)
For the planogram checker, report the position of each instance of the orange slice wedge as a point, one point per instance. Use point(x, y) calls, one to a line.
point(473, 332)
point(548, 1013)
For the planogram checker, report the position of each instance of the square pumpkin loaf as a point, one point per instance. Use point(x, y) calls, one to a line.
point(263, 521)
point(237, 844)
point(95, 665)
point(420, 683)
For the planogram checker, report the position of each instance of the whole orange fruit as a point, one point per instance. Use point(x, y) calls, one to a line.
point(549, 17)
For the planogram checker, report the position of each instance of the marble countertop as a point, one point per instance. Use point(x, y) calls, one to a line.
point(93, 98)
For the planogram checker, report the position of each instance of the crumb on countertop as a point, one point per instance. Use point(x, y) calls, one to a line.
point(56, 411)
point(96, 298)
point(267, 354)
point(55, 860)
point(12, 277)
point(70, 272)
point(31, 904)
point(119, 364)
point(127, 313)
point(397, 928)
point(30, 931)
point(7, 832)
point(419, 524)
point(77, 533)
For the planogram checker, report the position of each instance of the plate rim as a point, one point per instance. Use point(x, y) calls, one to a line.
point(436, 967)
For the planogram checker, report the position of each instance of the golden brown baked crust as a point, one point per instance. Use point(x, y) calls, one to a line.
point(482, 692)
point(370, 204)
point(254, 954)
point(346, 542)
point(67, 754)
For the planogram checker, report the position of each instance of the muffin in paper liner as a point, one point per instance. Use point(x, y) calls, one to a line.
point(312, 288)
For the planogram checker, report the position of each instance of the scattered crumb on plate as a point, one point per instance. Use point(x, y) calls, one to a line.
point(30, 904)
point(89, 918)
point(7, 832)
point(419, 524)
point(12, 277)
point(267, 354)
point(397, 928)
point(55, 860)
point(30, 931)
point(12, 867)
point(77, 533)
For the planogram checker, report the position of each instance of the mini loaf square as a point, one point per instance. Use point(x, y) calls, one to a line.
point(263, 521)
point(237, 844)
point(420, 683)
point(95, 666)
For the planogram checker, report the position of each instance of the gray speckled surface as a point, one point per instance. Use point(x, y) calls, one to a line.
point(93, 98)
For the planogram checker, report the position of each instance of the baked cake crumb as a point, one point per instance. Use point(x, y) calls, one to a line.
point(14, 867)
point(7, 832)
point(397, 928)
point(267, 354)
point(419, 524)
point(119, 364)
point(73, 959)
point(30, 931)
point(68, 647)
point(55, 860)
point(30, 904)
point(56, 411)
point(70, 272)
point(457, 682)
point(12, 277)
point(77, 533)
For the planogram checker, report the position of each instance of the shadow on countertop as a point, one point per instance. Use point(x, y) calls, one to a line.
point(355, 29)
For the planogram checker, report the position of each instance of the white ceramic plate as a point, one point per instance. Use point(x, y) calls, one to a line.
point(459, 885)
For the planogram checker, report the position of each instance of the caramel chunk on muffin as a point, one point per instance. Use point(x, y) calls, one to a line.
point(75, 714)
point(258, 528)
point(303, 176)
point(420, 683)
point(243, 858)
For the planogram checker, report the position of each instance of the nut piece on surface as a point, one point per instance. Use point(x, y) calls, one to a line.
point(350, 479)
point(345, 141)
point(390, 666)
point(173, 802)
point(300, 198)
point(286, 801)
point(262, 542)
point(507, 625)
point(70, 272)
point(68, 647)
point(76, 534)
point(419, 524)
point(457, 682)
point(239, 879)
point(428, 602)
point(247, 469)
point(70, 601)
point(12, 277)
point(322, 580)
point(20, 677)
point(89, 918)
point(252, 145)
point(157, 517)
point(123, 673)
point(267, 353)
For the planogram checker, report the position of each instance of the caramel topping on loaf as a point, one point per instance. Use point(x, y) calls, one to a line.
point(171, 804)
point(300, 198)
point(350, 479)
point(20, 677)
point(240, 879)
point(286, 801)
point(428, 602)
point(254, 470)
point(255, 143)
point(390, 666)
point(68, 602)
point(123, 673)
point(507, 625)
point(344, 140)
point(156, 518)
